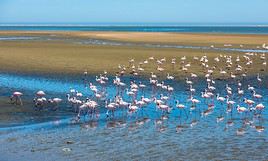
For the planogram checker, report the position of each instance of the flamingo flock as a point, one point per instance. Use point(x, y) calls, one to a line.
point(40, 101)
point(133, 97)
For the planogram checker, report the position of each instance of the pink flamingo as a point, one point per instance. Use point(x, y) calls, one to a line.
point(40, 93)
point(110, 107)
point(17, 96)
point(55, 101)
point(241, 109)
point(260, 107)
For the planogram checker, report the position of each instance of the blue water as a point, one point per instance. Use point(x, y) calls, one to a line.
point(182, 29)
point(59, 87)
point(130, 138)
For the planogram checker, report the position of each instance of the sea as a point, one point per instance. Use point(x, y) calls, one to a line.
point(262, 29)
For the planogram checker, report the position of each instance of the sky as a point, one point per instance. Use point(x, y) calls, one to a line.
point(133, 11)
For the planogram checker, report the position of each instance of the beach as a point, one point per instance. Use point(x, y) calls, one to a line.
point(180, 121)
point(205, 39)
point(133, 80)
point(64, 53)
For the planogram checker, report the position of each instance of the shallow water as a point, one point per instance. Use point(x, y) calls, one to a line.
point(9, 38)
point(140, 137)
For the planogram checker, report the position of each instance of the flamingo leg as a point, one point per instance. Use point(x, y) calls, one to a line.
point(185, 113)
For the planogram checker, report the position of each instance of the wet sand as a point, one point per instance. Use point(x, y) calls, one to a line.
point(200, 39)
point(69, 58)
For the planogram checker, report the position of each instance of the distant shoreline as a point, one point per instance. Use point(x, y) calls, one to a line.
point(216, 29)
point(190, 39)
point(128, 40)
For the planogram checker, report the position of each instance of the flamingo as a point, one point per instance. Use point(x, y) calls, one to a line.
point(184, 69)
point(230, 104)
point(164, 98)
point(188, 82)
point(146, 100)
point(140, 69)
point(142, 86)
point(98, 96)
point(74, 102)
point(193, 75)
point(92, 106)
point(240, 92)
point(251, 88)
point(40, 93)
point(122, 103)
point(140, 103)
point(181, 107)
point(55, 101)
point(133, 108)
point(228, 88)
point(151, 58)
point(194, 101)
point(110, 107)
point(153, 75)
point(258, 96)
point(241, 109)
point(164, 108)
point(81, 108)
point(205, 96)
point(170, 89)
point(248, 101)
point(17, 96)
point(259, 106)
point(169, 77)
point(221, 99)
point(78, 94)
point(264, 46)
point(211, 88)
point(40, 102)
point(153, 81)
point(93, 88)
point(222, 72)
point(163, 86)
point(183, 58)
point(130, 93)
point(258, 78)
point(192, 90)
point(173, 62)
point(158, 101)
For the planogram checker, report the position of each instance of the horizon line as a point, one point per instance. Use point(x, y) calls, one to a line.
point(129, 25)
